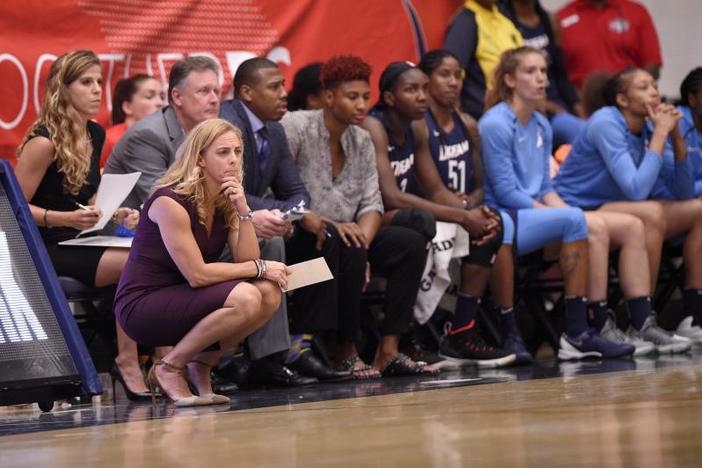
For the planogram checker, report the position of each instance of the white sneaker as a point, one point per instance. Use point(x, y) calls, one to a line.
point(688, 330)
point(665, 341)
point(612, 333)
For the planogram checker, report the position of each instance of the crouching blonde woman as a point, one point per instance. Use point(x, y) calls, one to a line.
point(173, 292)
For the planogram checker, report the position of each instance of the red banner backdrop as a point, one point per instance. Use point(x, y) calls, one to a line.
point(144, 36)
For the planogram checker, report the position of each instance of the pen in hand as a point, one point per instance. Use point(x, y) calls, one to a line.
point(82, 207)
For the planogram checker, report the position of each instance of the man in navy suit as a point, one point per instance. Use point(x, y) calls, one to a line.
point(271, 180)
point(261, 101)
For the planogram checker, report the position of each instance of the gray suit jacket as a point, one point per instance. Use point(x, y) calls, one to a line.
point(148, 147)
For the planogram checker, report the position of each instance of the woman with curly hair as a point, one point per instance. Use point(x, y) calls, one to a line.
point(173, 291)
point(58, 170)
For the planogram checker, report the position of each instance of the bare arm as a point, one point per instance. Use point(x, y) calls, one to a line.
point(36, 157)
point(369, 222)
point(243, 243)
point(174, 223)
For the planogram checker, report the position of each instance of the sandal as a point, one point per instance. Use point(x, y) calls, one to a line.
point(350, 364)
point(401, 364)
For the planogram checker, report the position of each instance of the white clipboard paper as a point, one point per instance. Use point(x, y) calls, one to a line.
point(100, 241)
point(113, 189)
point(307, 273)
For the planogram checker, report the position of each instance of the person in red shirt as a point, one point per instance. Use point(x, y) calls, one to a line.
point(609, 36)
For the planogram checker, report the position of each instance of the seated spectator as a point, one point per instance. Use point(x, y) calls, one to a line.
point(306, 92)
point(619, 164)
point(563, 107)
point(478, 35)
point(134, 98)
point(517, 148)
point(691, 123)
point(607, 35)
point(173, 292)
point(455, 150)
point(273, 185)
point(400, 137)
point(336, 161)
point(58, 170)
point(150, 147)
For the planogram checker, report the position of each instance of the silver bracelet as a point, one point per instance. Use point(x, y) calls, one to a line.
point(247, 217)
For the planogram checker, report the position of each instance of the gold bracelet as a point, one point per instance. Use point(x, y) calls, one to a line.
point(46, 223)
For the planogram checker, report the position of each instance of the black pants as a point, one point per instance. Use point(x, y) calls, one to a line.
point(397, 252)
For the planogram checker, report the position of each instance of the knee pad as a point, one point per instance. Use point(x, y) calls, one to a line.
point(418, 220)
point(484, 255)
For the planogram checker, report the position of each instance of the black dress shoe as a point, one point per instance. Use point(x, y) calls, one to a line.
point(310, 365)
point(221, 385)
point(270, 372)
point(235, 371)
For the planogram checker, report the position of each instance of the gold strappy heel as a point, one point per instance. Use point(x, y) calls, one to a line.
point(215, 398)
point(154, 385)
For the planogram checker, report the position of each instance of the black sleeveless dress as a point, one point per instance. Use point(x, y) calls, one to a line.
point(77, 262)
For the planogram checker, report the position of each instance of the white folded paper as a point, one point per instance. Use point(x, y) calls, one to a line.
point(113, 189)
point(100, 241)
point(307, 273)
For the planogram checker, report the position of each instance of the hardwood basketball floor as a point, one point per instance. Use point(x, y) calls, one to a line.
point(651, 416)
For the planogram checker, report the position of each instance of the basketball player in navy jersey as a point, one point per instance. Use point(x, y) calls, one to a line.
point(404, 163)
point(454, 145)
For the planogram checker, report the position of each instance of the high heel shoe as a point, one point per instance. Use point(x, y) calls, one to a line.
point(116, 375)
point(215, 398)
point(154, 385)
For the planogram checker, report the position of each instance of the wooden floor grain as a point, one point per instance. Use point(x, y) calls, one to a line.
point(630, 419)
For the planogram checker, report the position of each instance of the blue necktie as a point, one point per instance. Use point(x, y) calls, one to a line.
point(264, 148)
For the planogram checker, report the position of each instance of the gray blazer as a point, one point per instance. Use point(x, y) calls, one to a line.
point(148, 147)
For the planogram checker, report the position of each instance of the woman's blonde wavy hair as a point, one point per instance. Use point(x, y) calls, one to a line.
point(186, 175)
point(509, 61)
point(67, 131)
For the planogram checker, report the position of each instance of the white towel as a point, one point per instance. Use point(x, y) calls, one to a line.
point(451, 242)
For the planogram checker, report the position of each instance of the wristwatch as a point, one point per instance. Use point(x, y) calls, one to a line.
point(247, 217)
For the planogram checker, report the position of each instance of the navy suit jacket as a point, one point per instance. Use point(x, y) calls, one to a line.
point(281, 174)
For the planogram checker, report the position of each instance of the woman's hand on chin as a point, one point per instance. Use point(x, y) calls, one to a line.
point(231, 187)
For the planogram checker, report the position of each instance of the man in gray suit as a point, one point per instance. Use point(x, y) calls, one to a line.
point(150, 147)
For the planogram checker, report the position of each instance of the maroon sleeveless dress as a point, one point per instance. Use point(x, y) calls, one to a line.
point(154, 303)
